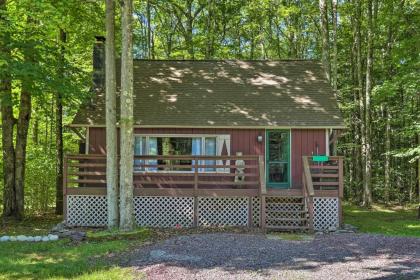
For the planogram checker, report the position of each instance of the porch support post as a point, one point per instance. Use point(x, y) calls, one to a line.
point(195, 218)
point(250, 210)
point(263, 191)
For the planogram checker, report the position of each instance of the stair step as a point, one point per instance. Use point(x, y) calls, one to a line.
point(286, 211)
point(287, 227)
point(287, 219)
point(285, 203)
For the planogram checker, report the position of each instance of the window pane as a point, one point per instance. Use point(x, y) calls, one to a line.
point(210, 150)
point(174, 146)
point(139, 149)
point(277, 172)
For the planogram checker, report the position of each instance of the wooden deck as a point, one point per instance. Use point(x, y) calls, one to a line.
point(208, 176)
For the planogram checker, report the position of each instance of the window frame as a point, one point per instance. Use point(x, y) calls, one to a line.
point(147, 136)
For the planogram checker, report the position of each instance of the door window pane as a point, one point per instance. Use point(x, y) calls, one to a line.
point(278, 172)
point(278, 146)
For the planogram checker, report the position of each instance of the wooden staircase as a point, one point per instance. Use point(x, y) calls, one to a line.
point(286, 213)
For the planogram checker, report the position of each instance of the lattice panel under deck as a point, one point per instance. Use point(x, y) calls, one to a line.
point(256, 211)
point(222, 211)
point(325, 213)
point(164, 211)
point(87, 210)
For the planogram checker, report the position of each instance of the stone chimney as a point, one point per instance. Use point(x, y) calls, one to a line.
point(98, 77)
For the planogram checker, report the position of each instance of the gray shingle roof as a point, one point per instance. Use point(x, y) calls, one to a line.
point(227, 93)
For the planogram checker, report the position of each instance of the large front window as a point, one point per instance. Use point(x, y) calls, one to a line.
point(173, 146)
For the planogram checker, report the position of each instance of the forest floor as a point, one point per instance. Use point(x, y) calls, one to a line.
point(108, 255)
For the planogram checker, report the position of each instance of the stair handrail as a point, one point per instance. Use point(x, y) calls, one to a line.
point(308, 191)
point(307, 176)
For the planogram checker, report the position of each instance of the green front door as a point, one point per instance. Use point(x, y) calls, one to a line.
point(277, 158)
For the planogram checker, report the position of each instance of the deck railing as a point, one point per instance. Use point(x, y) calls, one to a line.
point(321, 177)
point(184, 173)
point(324, 176)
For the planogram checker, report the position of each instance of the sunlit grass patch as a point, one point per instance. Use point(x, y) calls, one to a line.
point(380, 219)
point(64, 259)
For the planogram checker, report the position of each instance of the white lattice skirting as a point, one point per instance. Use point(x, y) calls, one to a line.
point(162, 211)
point(87, 210)
point(326, 213)
point(222, 211)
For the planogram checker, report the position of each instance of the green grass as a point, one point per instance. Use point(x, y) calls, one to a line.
point(382, 220)
point(64, 259)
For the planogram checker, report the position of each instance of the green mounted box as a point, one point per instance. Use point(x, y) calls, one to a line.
point(320, 158)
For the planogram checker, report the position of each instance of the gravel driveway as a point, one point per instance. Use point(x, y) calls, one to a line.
point(254, 256)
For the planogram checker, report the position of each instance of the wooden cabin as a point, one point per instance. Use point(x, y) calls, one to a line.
point(217, 143)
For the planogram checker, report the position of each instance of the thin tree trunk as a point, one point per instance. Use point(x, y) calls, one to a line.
point(360, 88)
point(35, 131)
point(418, 178)
point(149, 37)
point(367, 188)
point(387, 183)
point(334, 64)
point(126, 120)
point(59, 132)
point(8, 122)
point(325, 37)
point(111, 119)
point(20, 150)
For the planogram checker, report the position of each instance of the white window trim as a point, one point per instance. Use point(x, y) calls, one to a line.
point(202, 136)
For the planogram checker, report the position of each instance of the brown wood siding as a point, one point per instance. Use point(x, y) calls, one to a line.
point(241, 140)
point(304, 143)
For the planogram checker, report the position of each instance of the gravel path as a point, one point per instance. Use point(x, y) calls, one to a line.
point(254, 256)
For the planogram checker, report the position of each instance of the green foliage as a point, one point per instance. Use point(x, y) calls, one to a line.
point(219, 29)
point(382, 220)
point(63, 259)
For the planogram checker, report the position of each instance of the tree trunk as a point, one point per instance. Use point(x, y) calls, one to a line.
point(59, 132)
point(387, 183)
point(20, 150)
point(334, 64)
point(111, 119)
point(325, 37)
point(8, 122)
point(149, 37)
point(360, 89)
point(367, 192)
point(126, 122)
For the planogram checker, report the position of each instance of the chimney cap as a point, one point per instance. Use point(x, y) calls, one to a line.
point(100, 38)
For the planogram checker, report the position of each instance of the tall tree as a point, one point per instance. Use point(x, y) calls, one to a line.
point(367, 192)
point(59, 129)
point(111, 119)
point(323, 11)
point(334, 55)
point(24, 116)
point(126, 119)
point(8, 121)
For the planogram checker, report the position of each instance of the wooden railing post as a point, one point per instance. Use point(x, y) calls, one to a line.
point(263, 191)
point(340, 177)
point(308, 191)
point(195, 218)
